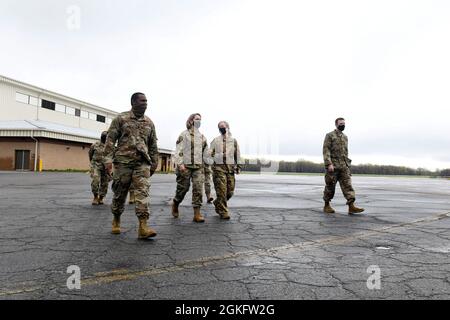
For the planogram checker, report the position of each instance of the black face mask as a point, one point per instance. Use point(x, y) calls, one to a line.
point(223, 130)
point(103, 138)
point(341, 128)
point(138, 111)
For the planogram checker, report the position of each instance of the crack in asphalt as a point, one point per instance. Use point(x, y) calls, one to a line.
point(126, 274)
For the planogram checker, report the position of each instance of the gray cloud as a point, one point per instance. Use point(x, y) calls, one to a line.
point(286, 70)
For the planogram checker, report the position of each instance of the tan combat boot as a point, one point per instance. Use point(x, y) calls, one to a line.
point(328, 208)
point(352, 209)
point(198, 217)
point(100, 200)
point(116, 225)
point(225, 216)
point(132, 199)
point(144, 231)
point(95, 200)
point(175, 212)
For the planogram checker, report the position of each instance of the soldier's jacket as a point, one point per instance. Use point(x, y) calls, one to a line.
point(225, 153)
point(192, 149)
point(96, 153)
point(335, 150)
point(136, 140)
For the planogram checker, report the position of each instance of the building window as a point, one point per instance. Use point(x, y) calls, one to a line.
point(48, 105)
point(34, 101)
point(23, 98)
point(78, 112)
point(92, 116)
point(70, 111)
point(60, 108)
point(101, 118)
point(85, 114)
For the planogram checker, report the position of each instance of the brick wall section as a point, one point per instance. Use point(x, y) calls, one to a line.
point(62, 155)
point(8, 147)
point(55, 154)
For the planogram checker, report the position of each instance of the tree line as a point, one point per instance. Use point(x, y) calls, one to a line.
point(303, 166)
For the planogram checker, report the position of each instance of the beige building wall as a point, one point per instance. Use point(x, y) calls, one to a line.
point(10, 109)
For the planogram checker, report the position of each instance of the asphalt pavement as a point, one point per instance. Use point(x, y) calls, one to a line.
point(277, 245)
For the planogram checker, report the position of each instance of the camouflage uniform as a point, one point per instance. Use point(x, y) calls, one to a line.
point(226, 155)
point(135, 158)
point(131, 197)
point(335, 151)
point(191, 150)
point(100, 177)
point(207, 176)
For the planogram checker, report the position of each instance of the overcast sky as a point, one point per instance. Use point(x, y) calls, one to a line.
point(279, 71)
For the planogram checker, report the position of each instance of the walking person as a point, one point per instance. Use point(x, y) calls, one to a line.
point(337, 164)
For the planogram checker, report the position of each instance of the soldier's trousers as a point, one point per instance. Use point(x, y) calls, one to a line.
point(131, 191)
point(343, 176)
point(137, 173)
point(224, 183)
point(207, 183)
point(184, 183)
point(100, 179)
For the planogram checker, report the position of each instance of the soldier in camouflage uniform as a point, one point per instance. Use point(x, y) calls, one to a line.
point(337, 164)
point(100, 178)
point(190, 157)
point(227, 162)
point(135, 159)
point(207, 175)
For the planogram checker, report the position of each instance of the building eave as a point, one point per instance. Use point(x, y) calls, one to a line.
point(46, 134)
